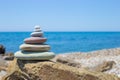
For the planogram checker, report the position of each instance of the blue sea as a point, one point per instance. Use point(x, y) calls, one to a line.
point(63, 42)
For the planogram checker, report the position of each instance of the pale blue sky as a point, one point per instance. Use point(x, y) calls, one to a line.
point(60, 15)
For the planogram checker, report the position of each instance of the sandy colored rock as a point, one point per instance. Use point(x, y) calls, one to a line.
point(106, 60)
point(105, 66)
point(2, 73)
point(3, 67)
point(68, 61)
point(3, 63)
point(32, 70)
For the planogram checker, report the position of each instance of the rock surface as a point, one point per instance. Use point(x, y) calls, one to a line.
point(8, 56)
point(3, 63)
point(32, 70)
point(68, 61)
point(3, 67)
point(107, 60)
point(2, 74)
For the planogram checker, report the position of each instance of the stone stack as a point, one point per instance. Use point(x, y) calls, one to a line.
point(34, 47)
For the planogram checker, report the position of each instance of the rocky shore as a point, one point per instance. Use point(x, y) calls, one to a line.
point(107, 60)
point(95, 65)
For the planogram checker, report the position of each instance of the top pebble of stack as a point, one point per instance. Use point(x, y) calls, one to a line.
point(37, 32)
point(37, 29)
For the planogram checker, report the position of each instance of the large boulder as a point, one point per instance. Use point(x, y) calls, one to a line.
point(2, 49)
point(46, 70)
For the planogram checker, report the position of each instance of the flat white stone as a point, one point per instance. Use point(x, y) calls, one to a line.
point(34, 55)
point(36, 34)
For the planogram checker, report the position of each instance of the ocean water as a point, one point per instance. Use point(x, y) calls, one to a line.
point(63, 42)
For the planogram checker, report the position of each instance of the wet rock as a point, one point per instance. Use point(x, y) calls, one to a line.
point(2, 49)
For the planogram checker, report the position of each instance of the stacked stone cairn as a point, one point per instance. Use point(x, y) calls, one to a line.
point(34, 47)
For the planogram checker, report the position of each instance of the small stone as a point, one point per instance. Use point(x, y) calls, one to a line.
point(35, 40)
point(36, 34)
point(37, 27)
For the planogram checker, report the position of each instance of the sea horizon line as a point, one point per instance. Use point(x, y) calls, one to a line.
point(60, 31)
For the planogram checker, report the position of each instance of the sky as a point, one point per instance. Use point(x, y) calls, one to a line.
point(60, 15)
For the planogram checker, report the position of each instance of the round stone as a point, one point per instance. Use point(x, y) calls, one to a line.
point(34, 47)
point(37, 27)
point(34, 55)
point(36, 34)
point(35, 40)
point(37, 30)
